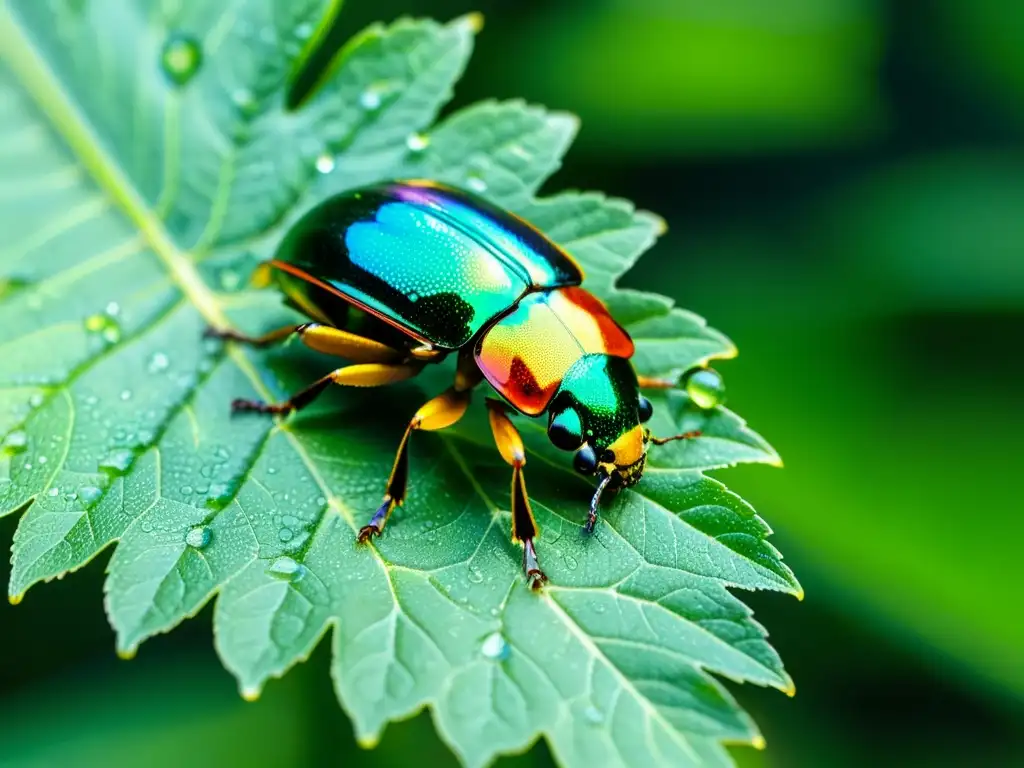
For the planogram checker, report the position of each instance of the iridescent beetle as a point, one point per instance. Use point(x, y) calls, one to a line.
point(452, 273)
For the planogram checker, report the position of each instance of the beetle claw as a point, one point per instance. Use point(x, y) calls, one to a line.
point(366, 533)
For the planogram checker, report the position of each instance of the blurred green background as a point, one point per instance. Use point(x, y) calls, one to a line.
point(844, 186)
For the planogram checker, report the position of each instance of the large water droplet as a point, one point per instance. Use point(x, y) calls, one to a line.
point(117, 461)
point(286, 569)
point(285, 534)
point(570, 562)
point(706, 388)
point(593, 715)
point(180, 58)
point(198, 537)
point(219, 495)
point(417, 142)
point(475, 574)
point(158, 362)
point(494, 647)
point(325, 163)
point(15, 442)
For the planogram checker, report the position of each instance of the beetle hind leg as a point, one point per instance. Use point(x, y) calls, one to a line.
point(524, 527)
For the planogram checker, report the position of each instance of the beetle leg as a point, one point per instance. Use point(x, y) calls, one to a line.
point(649, 382)
point(364, 375)
point(524, 527)
point(439, 413)
point(322, 338)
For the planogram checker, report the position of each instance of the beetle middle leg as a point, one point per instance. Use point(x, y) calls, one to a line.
point(524, 527)
point(439, 413)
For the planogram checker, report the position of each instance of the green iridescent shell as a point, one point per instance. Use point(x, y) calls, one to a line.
point(435, 262)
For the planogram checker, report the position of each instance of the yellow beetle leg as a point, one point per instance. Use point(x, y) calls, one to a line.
point(322, 338)
point(365, 375)
point(439, 413)
point(524, 527)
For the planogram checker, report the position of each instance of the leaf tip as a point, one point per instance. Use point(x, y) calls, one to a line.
point(127, 653)
point(368, 742)
point(473, 21)
point(758, 742)
point(790, 689)
point(16, 599)
point(250, 692)
point(799, 594)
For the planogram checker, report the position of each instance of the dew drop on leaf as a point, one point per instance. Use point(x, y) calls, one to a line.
point(285, 534)
point(244, 100)
point(706, 388)
point(303, 31)
point(89, 493)
point(325, 163)
point(117, 461)
point(219, 495)
point(370, 99)
point(286, 569)
point(593, 715)
point(475, 574)
point(35, 401)
point(158, 362)
point(417, 142)
point(15, 442)
point(198, 537)
point(105, 326)
point(53, 492)
point(494, 647)
point(476, 183)
point(180, 58)
point(126, 394)
point(570, 562)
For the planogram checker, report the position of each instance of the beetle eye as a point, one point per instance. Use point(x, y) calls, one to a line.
point(644, 409)
point(585, 461)
point(564, 430)
point(608, 457)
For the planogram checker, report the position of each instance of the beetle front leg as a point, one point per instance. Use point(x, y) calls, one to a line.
point(524, 527)
point(439, 413)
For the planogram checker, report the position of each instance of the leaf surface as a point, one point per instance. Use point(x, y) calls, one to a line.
point(137, 197)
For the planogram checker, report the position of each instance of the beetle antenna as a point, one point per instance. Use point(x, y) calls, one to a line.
point(592, 516)
point(685, 436)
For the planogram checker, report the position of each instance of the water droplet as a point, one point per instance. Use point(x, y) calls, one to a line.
point(198, 537)
point(285, 534)
point(180, 58)
point(36, 400)
point(158, 362)
point(570, 562)
point(286, 569)
point(89, 493)
point(219, 495)
point(706, 388)
point(53, 492)
point(186, 490)
point(244, 100)
point(117, 461)
point(15, 442)
point(593, 715)
point(325, 163)
point(417, 142)
point(494, 647)
point(113, 309)
point(104, 326)
point(303, 31)
point(476, 183)
point(370, 99)
point(475, 574)
point(126, 394)
point(42, 459)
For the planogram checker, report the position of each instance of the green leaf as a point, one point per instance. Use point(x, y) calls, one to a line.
point(132, 214)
